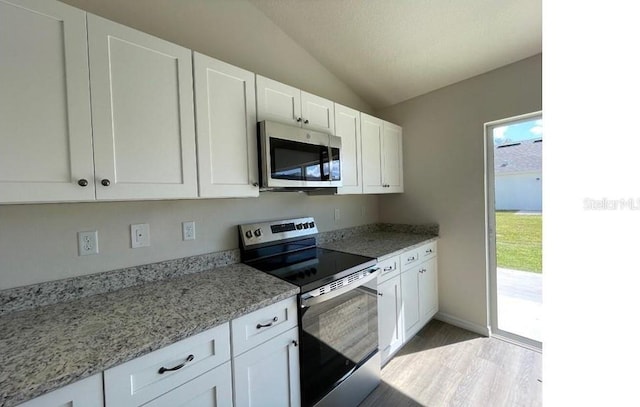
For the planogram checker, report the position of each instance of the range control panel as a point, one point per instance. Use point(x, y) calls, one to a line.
point(274, 231)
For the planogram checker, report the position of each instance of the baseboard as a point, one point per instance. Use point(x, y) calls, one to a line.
point(461, 323)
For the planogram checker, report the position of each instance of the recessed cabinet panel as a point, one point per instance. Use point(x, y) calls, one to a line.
point(390, 331)
point(83, 393)
point(347, 124)
point(371, 154)
point(226, 129)
point(277, 101)
point(45, 120)
point(317, 113)
point(142, 109)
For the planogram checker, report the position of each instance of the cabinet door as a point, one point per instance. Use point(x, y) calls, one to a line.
point(428, 296)
point(84, 393)
point(226, 129)
point(390, 334)
point(392, 177)
point(45, 119)
point(269, 374)
point(317, 113)
point(277, 101)
point(371, 130)
point(211, 389)
point(142, 109)
point(348, 129)
point(410, 300)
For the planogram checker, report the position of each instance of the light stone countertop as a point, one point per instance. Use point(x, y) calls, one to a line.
point(380, 245)
point(49, 347)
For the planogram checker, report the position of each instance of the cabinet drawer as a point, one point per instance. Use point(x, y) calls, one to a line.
point(138, 381)
point(212, 389)
point(427, 251)
point(261, 325)
point(409, 258)
point(388, 269)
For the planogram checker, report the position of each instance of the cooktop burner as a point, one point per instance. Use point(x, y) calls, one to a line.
point(287, 249)
point(313, 267)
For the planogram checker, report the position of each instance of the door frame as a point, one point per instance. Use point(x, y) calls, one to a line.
point(490, 235)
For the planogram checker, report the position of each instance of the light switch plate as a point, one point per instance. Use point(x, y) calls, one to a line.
point(140, 236)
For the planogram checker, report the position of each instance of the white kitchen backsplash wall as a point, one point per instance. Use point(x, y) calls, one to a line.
point(38, 242)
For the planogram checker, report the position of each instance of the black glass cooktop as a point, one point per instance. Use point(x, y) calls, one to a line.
point(313, 267)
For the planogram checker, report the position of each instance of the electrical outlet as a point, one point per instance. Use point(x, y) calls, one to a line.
point(87, 243)
point(189, 230)
point(336, 214)
point(140, 236)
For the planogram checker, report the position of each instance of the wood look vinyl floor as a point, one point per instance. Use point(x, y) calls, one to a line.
point(447, 366)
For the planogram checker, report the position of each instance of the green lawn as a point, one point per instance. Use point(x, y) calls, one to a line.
point(519, 241)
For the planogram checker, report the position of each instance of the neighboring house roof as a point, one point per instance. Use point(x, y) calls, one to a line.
point(523, 156)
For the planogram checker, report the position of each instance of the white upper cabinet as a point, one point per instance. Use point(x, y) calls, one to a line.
point(283, 103)
point(371, 128)
point(392, 158)
point(381, 156)
point(226, 129)
point(143, 118)
point(348, 129)
point(45, 118)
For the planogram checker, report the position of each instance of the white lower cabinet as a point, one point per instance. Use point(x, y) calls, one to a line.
point(407, 297)
point(390, 332)
point(179, 373)
point(269, 374)
point(211, 389)
point(84, 393)
point(419, 292)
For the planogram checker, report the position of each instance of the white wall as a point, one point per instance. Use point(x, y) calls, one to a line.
point(522, 191)
point(444, 173)
point(38, 242)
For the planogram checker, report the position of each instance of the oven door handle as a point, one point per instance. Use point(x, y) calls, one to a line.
point(313, 300)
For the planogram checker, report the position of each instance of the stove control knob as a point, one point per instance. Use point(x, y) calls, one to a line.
point(307, 272)
point(257, 232)
point(301, 275)
point(248, 234)
point(299, 226)
point(312, 225)
point(305, 225)
point(313, 270)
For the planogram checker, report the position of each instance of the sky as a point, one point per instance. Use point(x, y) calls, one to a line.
point(528, 130)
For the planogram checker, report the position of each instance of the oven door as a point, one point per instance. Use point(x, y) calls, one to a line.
point(296, 157)
point(338, 335)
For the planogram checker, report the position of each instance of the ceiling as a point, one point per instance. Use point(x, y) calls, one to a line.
point(389, 51)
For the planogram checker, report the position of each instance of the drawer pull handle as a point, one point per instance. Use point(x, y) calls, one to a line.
point(275, 319)
point(388, 268)
point(180, 366)
point(429, 251)
point(412, 258)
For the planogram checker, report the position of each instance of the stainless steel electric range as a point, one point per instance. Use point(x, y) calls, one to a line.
point(337, 314)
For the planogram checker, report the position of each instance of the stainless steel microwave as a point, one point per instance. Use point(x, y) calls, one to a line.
point(297, 158)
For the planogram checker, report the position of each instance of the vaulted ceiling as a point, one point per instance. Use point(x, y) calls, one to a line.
point(389, 51)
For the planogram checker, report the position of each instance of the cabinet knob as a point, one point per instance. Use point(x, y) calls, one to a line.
point(380, 294)
point(299, 119)
point(306, 121)
point(105, 182)
point(83, 182)
point(294, 343)
point(255, 184)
